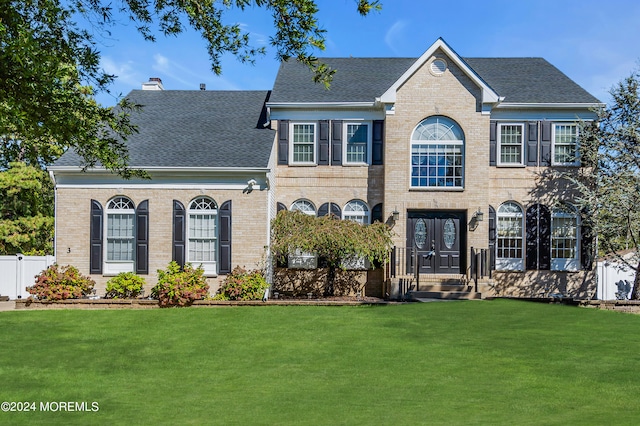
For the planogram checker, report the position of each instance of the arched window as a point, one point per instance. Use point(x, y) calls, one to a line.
point(509, 244)
point(120, 239)
point(304, 206)
point(202, 244)
point(356, 211)
point(565, 231)
point(437, 154)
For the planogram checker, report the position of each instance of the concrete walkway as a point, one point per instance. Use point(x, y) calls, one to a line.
point(7, 306)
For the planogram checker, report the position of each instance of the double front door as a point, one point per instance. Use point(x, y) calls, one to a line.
point(434, 241)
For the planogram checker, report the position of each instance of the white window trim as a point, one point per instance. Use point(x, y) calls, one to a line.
point(210, 267)
point(499, 145)
point(511, 263)
point(562, 264)
point(553, 144)
point(114, 267)
point(345, 143)
point(291, 143)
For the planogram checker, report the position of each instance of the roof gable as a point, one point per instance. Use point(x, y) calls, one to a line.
point(488, 94)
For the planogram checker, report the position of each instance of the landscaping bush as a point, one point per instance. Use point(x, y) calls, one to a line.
point(180, 287)
point(125, 285)
point(243, 285)
point(61, 282)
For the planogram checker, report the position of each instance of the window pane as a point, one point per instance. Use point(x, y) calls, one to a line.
point(303, 143)
point(120, 236)
point(565, 143)
point(441, 161)
point(357, 135)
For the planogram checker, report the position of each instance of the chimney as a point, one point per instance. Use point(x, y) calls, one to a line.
point(154, 83)
point(203, 86)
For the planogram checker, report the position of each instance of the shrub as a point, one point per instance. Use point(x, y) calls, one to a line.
point(61, 282)
point(243, 285)
point(180, 287)
point(125, 285)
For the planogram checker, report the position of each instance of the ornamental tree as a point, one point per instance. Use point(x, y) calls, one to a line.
point(50, 66)
point(331, 239)
point(610, 184)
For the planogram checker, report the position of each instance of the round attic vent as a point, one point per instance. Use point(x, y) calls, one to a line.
point(438, 66)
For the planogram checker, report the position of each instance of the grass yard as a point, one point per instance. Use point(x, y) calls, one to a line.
point(490, 362)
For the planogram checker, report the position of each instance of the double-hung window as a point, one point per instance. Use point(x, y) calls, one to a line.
point(510, 144)
point(120, 236)
point(437, 154)
point(357, 144)
point(303, 150)
point(509, 254)
point(565, 144)
point(203, 234)
point(564, 240)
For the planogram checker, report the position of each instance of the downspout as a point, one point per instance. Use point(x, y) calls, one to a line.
point(55, 215)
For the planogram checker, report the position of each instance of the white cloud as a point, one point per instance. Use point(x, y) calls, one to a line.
point(394, 35)
point(124, 71)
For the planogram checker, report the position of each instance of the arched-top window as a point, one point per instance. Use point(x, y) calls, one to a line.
point(120, 234)
point(356, 211)
point(304, 206)
point(565, 232)
point(510, 237)
point(202, 244)
point(437, 154)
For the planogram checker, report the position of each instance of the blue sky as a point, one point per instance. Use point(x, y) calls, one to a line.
point(594, 42)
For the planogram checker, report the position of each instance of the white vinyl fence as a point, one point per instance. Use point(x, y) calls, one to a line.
point(18, 272)
point(615, 282)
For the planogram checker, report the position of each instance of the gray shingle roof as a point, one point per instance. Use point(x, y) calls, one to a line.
point(519, 80)
point(179, 128)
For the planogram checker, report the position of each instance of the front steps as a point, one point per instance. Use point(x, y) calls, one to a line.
point(435, 287)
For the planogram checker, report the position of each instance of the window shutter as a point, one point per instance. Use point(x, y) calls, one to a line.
point(545, 144)
point(283, 142)
point(336, 142)
point(95, 230)
point(493, 145)
point(335, 210)
point(280, 207)
point(376, 213)
point(532, 143)
point(586, 247)
point(531, 223)
point(142, 238)
point(179, 237)
point(224, 238)
point(323, 143)
point(492, 238)
point(544, 238)
point(378, 142)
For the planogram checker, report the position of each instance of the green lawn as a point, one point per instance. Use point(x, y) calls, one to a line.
point(488, 362)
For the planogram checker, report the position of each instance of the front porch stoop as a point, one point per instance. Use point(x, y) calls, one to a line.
point(443, 288)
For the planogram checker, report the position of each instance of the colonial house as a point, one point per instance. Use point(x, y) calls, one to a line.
point(449, 151)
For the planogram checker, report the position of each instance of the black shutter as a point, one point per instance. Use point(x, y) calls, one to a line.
point(323, 143)
point(545, 144)
point(544, 238)
point(336, 142)
point(283, 142)
point(224, 217)
point(492, 142)
point(531, 223)
point(280, 207)
point(179, 233)
point(492, 238)
point(376, 213)
point(532, 143)
point(142, 238)
point(95, 230)
point(378, 142)
point(586, 247)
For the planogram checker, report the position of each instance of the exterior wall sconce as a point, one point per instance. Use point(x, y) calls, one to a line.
point(478, 216)
point(395, 215)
